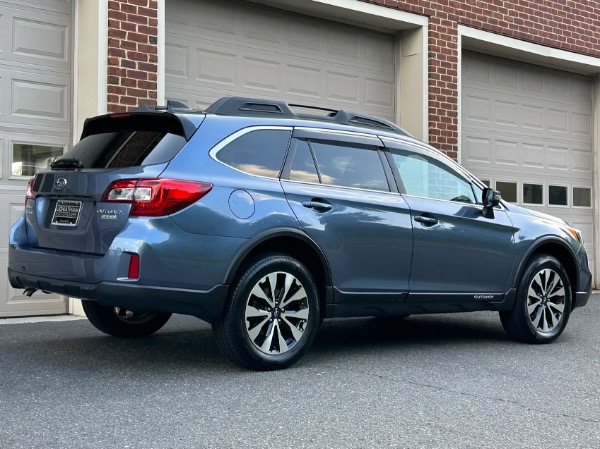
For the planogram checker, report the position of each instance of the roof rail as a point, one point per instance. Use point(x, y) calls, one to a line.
point(172, 106)
point(278, 108)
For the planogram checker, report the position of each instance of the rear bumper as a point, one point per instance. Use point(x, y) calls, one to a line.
point(204, 304)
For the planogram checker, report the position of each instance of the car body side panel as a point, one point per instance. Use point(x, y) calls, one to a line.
point(366, 237)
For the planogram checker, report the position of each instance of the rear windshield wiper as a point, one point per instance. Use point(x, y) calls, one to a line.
point(66, 164)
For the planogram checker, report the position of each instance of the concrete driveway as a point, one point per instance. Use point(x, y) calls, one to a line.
point(429, 381)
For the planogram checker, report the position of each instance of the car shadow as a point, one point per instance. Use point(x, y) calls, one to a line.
point(187, 344)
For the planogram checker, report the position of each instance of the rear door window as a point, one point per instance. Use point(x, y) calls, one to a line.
point(338, 163)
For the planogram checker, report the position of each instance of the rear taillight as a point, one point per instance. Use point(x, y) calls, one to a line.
point(29, 194)
point(155, 197)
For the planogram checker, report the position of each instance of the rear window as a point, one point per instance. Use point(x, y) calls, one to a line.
point(126, 149)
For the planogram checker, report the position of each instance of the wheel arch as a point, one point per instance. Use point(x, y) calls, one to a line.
point(559, 250)
point(294, 243)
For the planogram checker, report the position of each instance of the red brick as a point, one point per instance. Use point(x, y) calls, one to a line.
point(136, 37)
point(136, 18)
point(137, 74)
point(145, 48)
point(148, 30)
point(116, 52)
point(138, 2)
point(116, 71)
point(147, 85)
point(118, 34)
point(116, 15)
point(137, 56)
point(125, 7)
point(117, 90)
point(138, 93)
point(128, 26)
point(148, 12)
point(128, 100)
point(128, 82)
point(147, 67)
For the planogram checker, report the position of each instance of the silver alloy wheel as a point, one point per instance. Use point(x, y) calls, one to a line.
point(276, 313)
point(546, 300)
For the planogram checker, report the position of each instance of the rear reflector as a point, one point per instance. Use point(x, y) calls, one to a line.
point(134, 267)
point(155, 197)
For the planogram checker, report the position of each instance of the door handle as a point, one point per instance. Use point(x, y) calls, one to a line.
point(427, 221)
point(319, 206)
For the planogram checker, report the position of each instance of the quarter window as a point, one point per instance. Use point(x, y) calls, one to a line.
point(258, 152)
point(425, 177)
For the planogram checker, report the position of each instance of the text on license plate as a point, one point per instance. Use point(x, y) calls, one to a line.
point(66, 213)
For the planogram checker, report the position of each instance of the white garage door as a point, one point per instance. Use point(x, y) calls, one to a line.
point(528, 130)
point(218, 48)
point(35, 68)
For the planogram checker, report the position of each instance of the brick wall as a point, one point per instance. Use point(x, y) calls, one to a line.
point(132, 54)
point(572, 25)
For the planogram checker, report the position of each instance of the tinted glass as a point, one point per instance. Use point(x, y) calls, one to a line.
point(427, 178)
point(508, 190)
point(533, 193)
point(349, 166)
point(303, 166)
point(126, 149)
point(259, 152)
point(582, 197)
point(557, 195)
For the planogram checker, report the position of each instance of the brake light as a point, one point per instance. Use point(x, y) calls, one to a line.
point(29, 193)
point(155, 197)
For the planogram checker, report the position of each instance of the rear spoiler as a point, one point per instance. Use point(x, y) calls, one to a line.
point(142, 121)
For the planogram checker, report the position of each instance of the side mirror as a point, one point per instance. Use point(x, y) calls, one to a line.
point(490, 199)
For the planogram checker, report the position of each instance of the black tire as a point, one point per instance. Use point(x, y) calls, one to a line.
point(543, 302)
point(266, 325)
point(123, 323)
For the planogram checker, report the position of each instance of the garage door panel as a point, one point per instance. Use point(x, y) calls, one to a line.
point(34, 37)
point(269, 53)
point(13, 302)
point(35, 117)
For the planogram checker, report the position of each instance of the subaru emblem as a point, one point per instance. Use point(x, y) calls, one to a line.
point(60, 183)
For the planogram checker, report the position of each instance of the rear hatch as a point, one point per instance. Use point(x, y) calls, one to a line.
point(65, 207)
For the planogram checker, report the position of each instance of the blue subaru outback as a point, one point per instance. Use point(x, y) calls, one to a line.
point(264, 221)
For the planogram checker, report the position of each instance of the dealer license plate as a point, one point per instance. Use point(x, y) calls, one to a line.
point(66, 213)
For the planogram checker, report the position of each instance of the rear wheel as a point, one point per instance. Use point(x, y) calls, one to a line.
point(543, 303)
point(124, 323)
point(272, 314)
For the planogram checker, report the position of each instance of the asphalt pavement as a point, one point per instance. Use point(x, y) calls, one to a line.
point(438, 381)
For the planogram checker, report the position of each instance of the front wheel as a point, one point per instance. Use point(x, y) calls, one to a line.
point(543, 303)
point(272, 315)
point(124, 323)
